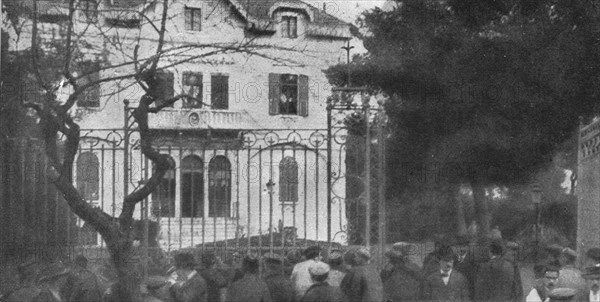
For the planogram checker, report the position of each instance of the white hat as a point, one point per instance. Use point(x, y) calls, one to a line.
point(318, 268)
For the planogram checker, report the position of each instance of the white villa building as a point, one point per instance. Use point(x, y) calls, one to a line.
point(250, 158)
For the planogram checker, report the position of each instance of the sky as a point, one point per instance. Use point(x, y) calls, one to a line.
point(346, 10)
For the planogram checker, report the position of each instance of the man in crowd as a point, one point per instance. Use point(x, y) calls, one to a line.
point(446, 284)
point(402, 278)
point(362, 283)
point(250, 288)
point(540, 291)
point(337, 271)
point(189, 286)
point(498, 279)
point(570, 276)
point(465, 262)
point(431, 263)
point(592, 257)
point(300, 275)
point(81, 284)
point(215, 279)
point(591, 293)
point(320, 290)
point(280, 287)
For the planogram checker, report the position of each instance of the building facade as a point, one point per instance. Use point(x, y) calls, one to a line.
point(249, 141)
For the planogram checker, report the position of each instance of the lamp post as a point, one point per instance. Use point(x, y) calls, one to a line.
point(536, 198)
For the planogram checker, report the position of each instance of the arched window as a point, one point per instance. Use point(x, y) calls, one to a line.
point(219, 187)
point(288, 180)
point(192, 187)
point(163, 198)
point(87, 175)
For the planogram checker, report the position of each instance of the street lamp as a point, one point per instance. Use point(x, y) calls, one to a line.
point(536, 198)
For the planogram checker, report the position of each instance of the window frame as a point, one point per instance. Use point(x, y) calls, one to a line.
point(187, 88)
point(196, 205)
point(288, 180)
point(85, 161)
point(287, 30)
point(168, 185)
point(189, 20)
point(219, 197)
point(276, 87)
point(90, 16)
point(223, 92)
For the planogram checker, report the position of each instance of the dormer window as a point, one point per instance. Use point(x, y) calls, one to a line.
point(193, 19)
point(289, 27)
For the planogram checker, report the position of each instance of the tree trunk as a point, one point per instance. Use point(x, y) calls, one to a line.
point(481, 208)
point(461, 224)
point(127, 288)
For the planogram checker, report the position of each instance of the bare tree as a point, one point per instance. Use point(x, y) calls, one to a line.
point(61, 133)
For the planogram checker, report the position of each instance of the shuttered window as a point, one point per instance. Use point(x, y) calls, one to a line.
point(288, 94)
point(164, 87)
point(220, 92)
point(90, 72)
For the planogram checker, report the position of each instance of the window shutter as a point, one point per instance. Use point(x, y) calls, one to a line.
point(164, 86)
point(303, 95)
point(220, 92)
point(274, 93)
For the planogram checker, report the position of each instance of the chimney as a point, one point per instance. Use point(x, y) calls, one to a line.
point(325, 7)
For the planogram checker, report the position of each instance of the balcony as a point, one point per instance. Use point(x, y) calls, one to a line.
point(195, 119)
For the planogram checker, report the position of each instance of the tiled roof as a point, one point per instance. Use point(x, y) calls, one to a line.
point(262, 9)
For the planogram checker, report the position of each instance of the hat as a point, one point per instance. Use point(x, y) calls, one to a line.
point(447, 254)
point(512, 245)
point(272, 258)
point(561, 294)
point(593, 253)
point(335, 255)
point(363, 252)
point(554, 248)
point(570, 252)
point(318, 268)
point(399, 250)
point(592, 272)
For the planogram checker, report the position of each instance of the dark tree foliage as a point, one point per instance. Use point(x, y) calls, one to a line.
point(482, 91)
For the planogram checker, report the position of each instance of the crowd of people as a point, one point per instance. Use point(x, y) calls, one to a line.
point(457, 271)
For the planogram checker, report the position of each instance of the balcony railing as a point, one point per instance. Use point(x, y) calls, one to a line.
point(189, 119)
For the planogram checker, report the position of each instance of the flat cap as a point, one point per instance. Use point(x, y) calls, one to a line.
point(570, 252)
point(363, 252)
point(593, 253)
point(318, 268)
point(562, 294)
point(335, 255)
point(592, 272)
point(399, 250)
point(273, 258)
